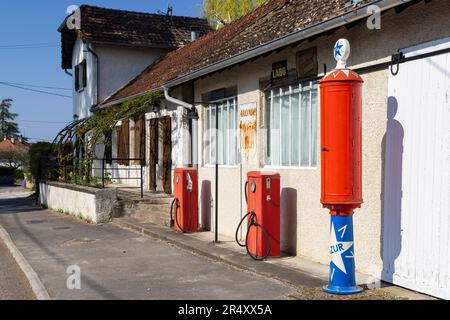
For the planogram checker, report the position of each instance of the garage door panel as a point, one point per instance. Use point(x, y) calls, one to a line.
point(417, 180)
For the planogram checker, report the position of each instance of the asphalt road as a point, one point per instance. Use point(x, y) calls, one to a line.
point(113, 263)
point(13, 284)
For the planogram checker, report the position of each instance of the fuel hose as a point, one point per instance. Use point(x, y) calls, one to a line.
point(174, 215)
point(252, 224)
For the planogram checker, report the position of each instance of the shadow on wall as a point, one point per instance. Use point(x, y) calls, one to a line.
point(205, 204)
point(391, 197)
point(288, 221)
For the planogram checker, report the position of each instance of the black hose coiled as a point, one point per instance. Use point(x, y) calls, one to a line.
point(174, 217)
point(253, 223)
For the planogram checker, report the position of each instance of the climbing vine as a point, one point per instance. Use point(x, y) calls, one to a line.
point(97, 127)
point(104, 121)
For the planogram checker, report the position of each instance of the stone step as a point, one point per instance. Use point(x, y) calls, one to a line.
point(122, 194)
point(155, 217)
point(147, 207)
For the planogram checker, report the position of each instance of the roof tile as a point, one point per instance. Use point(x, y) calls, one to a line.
point(275, 19)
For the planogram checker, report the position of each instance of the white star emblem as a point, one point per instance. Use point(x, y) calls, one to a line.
point(338, 248)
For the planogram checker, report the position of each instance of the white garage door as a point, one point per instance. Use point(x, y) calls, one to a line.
point(416, 246)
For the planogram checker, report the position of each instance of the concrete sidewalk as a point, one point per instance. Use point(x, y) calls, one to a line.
point(307, 276)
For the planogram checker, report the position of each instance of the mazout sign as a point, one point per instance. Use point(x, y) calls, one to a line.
point(247, 125)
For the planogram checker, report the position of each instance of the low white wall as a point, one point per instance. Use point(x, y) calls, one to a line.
point(93, 205)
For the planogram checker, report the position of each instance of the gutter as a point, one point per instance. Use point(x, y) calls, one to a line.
point(314, 30)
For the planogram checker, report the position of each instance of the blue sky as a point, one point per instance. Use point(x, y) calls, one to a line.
point(24, 22)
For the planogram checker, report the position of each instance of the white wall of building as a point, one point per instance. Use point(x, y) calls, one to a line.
point(117, 66)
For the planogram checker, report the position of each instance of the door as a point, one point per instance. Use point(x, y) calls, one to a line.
point(153, 161)
point(416, 205)
point(166, 167)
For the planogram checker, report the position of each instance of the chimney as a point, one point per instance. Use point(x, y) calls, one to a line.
point(194, 35)
point(12, 140)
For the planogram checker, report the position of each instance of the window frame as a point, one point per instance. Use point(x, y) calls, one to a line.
point(209, 159)
point(289, 90)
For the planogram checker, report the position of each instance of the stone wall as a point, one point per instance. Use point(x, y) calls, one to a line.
point(90, 204)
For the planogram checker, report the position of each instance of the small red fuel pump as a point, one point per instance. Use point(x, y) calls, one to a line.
point(184, 210)
point(263, 215)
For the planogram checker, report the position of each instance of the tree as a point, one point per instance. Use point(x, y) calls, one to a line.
point(222, 12)
point(17, 158)
point(39, 159)
point(8, 128)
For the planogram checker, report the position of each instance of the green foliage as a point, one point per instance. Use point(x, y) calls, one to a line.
point(222, 12)
point(19, 174)
point(15, 158)
point(104, 121)
point(7, 126)
point(93, 132)
point(40, 154)
point(6, 171)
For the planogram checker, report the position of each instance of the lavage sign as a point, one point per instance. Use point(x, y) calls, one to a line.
point(206, 312)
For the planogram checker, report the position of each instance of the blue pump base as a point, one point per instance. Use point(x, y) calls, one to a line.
point(342, 290)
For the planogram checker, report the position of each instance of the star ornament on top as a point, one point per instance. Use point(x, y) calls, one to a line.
point(338, 49)
point(341, 53)
point(338, 249)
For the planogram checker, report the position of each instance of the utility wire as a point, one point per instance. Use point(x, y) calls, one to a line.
point(29, 46)
point(34, 90)
point(37, 121)
point(35, 86)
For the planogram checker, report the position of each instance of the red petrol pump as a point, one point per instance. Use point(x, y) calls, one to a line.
point(262, 191)
point(341, 154)
point(184, 210)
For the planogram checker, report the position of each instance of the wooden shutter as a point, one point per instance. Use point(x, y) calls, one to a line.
point(153, 138)
point(119, 142)
point(166, 124)
point(142, 132)
point(126, 141)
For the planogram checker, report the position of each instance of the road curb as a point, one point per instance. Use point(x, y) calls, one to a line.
point(36, 284)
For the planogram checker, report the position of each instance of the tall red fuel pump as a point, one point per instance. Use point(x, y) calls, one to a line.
point(341, 154)
point(184, 210)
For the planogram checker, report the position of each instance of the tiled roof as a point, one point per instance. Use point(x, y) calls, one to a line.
point(8, 145)
point(275, 19)
point(132, 29)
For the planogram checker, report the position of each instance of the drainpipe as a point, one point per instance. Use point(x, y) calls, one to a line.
point(192, 114)
point(68, 73)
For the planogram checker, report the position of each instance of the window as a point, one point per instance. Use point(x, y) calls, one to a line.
point(292, 126)
point(228, 149)
point(108, 147)
point(80, 76)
